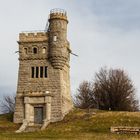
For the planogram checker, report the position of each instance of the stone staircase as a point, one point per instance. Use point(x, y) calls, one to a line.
point(25, 127)
point(33, 128)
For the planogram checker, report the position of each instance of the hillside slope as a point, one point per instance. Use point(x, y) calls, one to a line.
point(76, 125)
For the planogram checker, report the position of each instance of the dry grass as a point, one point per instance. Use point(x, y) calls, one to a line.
point(76, 125)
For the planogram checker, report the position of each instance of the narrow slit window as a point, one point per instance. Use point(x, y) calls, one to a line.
point(44, 50)
point(41, 72)
point(46, 74)
point(54, 38)
point(37, 72)
point(25, 50)
point(32, 72)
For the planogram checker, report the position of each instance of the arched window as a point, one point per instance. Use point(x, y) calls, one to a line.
point(25, 51)
point(35, 50)
point(44, 50)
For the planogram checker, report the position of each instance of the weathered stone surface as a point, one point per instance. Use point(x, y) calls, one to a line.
point(125, 130)
point(51, 92)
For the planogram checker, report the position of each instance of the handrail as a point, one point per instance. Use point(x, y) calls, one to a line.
point(57, 10)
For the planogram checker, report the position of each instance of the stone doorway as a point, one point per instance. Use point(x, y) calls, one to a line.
point(38, 115)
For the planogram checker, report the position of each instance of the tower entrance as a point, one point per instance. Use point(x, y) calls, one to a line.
point(38, 115)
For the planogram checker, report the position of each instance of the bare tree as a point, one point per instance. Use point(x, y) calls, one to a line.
point(8, 104)
point(114, 90)
point(85, 96)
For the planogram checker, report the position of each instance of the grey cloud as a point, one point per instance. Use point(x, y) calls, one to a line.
point(120, 13)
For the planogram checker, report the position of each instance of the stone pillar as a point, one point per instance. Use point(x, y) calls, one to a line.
point(48, 112)
point(27, 111)
point(27, 108)
point(48, 108)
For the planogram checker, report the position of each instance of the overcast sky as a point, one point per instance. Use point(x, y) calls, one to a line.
point(101, 32)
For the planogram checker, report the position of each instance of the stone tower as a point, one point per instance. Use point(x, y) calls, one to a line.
point(43, 90)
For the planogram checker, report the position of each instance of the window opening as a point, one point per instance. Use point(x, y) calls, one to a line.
point(44, 50)
point(25, 50)
point(35, 50)
point(55, 38)
point(45, 71)
point(37, 72)
point(41, 72)
point(33, 71)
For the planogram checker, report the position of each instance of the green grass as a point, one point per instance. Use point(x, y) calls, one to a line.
point(76, 125)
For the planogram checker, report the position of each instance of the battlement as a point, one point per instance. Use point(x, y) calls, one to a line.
point(58, 14)
point(33, 36)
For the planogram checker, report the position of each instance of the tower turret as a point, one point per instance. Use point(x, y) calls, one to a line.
point(59, 45)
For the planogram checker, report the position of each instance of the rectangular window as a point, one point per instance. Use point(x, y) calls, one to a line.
point(46, 71)
point(32, 72)
point(37, 72)
point(41, 72)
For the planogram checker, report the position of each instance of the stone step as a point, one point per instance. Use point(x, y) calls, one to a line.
point(33, 128)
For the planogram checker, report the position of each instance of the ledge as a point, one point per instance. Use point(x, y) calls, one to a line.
point(37, 94)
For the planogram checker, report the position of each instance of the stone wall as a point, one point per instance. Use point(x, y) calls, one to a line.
point(27, 84)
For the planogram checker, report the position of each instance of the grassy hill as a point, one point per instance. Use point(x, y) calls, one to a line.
point(76, 125)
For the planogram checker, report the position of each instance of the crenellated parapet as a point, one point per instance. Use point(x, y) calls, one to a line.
point(58, 14)
point(33, 37)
